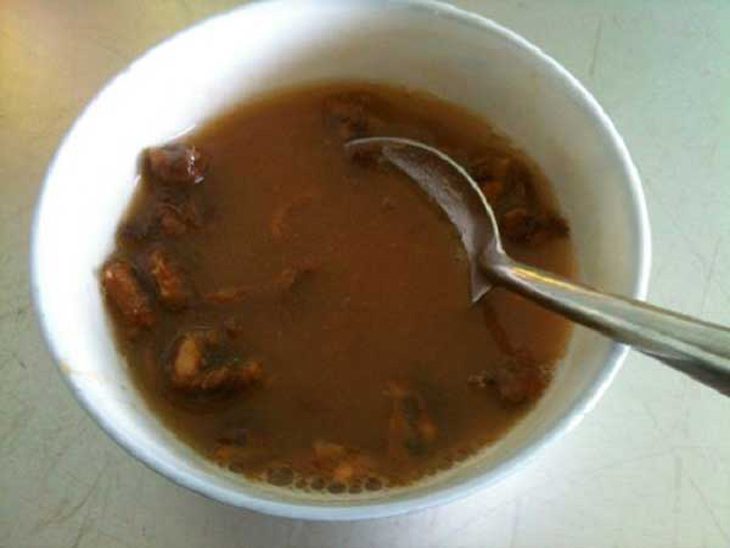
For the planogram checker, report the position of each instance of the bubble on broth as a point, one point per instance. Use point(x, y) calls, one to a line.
point(288, 477)
point(237, 467)
point(354, 486)
point(373, 484)
point(280, 476)
point(317, 483)
point(336, 487)
point(285, 477)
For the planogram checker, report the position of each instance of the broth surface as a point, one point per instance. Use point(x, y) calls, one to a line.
point(303, 317)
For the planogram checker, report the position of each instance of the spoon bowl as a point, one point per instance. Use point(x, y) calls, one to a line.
point(453, 189)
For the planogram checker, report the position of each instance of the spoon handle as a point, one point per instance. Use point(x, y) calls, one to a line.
point(698, 349)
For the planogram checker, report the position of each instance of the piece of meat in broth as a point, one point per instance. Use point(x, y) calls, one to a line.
point(411, 430)
point(174, 221)
point(519, 225)
point(352, 115)
point(517, 380)
point(173, 288)
point(193, 366)
point(122, 287)
point(177, 163)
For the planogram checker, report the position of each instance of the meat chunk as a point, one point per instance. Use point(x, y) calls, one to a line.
point(503, 179)
point(351, 115)
point(508, 186)
point(177, 163)
point(517, 380)
point(176, 220)
point(123, 288)
point(172, 287)
point(521, 226)
point(410, 428)
point(513, 172)
point(164, 219)
point(193, 366)
point(136, 229)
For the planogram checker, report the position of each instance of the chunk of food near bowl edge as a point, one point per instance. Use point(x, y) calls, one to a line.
point(352, 115)
point(173, 288)
point(177, 220)
point(522, 226)
point(176, 163)
point(162, 220)
point(517, 380)
point(411, 430)
point(502, 178)
point(123, 288)
point(197, 365)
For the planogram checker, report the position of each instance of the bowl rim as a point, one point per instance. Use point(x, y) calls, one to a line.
point(367, 510)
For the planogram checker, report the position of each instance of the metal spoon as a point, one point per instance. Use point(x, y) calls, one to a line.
point(697, 348)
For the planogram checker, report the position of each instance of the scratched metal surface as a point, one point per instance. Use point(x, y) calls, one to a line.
point(650, 467)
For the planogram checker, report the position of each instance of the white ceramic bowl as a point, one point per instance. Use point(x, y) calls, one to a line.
point(456, 55)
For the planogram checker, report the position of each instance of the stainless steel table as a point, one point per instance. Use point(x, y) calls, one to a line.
point(649, 467)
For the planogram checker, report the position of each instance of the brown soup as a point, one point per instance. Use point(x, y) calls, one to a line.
point(304, 318)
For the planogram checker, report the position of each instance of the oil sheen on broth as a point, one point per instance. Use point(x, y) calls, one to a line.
point(303, 317)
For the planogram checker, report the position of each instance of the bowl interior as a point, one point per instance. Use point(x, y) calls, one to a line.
point(461, 58)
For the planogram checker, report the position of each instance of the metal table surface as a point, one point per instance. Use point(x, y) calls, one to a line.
point(649, 467)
